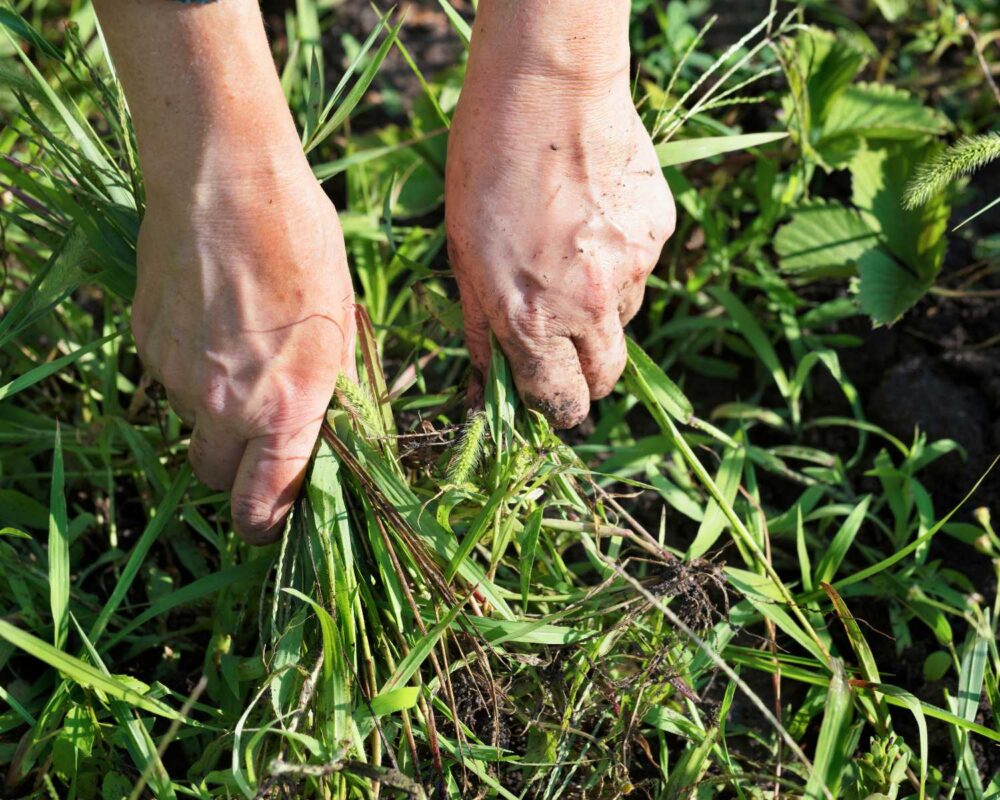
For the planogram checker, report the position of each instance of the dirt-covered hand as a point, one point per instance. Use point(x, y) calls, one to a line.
point(244, 311)
point(557, 211)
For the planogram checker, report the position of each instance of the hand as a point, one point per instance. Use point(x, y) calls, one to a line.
point(556, 212)
point(243, 307)
point(244, 311)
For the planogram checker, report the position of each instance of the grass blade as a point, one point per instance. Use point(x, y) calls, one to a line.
point(831, 746)
point(82, 673)
point(154, 528)
point(59, 575)
point(673, 153)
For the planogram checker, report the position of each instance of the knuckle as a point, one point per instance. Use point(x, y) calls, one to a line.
point(216, 400)
point(599, 277)
point(530, 322)
point(292, 408)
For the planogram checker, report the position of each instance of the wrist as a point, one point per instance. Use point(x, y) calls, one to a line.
point(220, 123)
point(571, 46)
point(202, 88)
point(224, 190)
point(220, 153)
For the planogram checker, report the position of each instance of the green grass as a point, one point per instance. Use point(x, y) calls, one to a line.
point(687, 598)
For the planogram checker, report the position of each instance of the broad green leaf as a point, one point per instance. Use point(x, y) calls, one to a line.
point(767, 601)
point(22, 511)
point(823, 239)
point(419, 652)
point(65, 270)
point(887, 289)
point(478, 528)
point(970, 680)
point(861, 648)
point(390, 702)
point(830, 60)
point(500, 396)
point(892, 10)
point(75, 741)
point(820, 66)
point(138, 740)
point(334, 659)
point(915, 237)
point(498, 631)
point(673, 153)
point(966, 703)
point(936, 666)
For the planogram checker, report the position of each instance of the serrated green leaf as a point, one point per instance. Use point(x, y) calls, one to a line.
point(823, 240)
point(881, 111)
point(896, 275)
point(828, 64)
point(887, 289)
point(878, 185)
